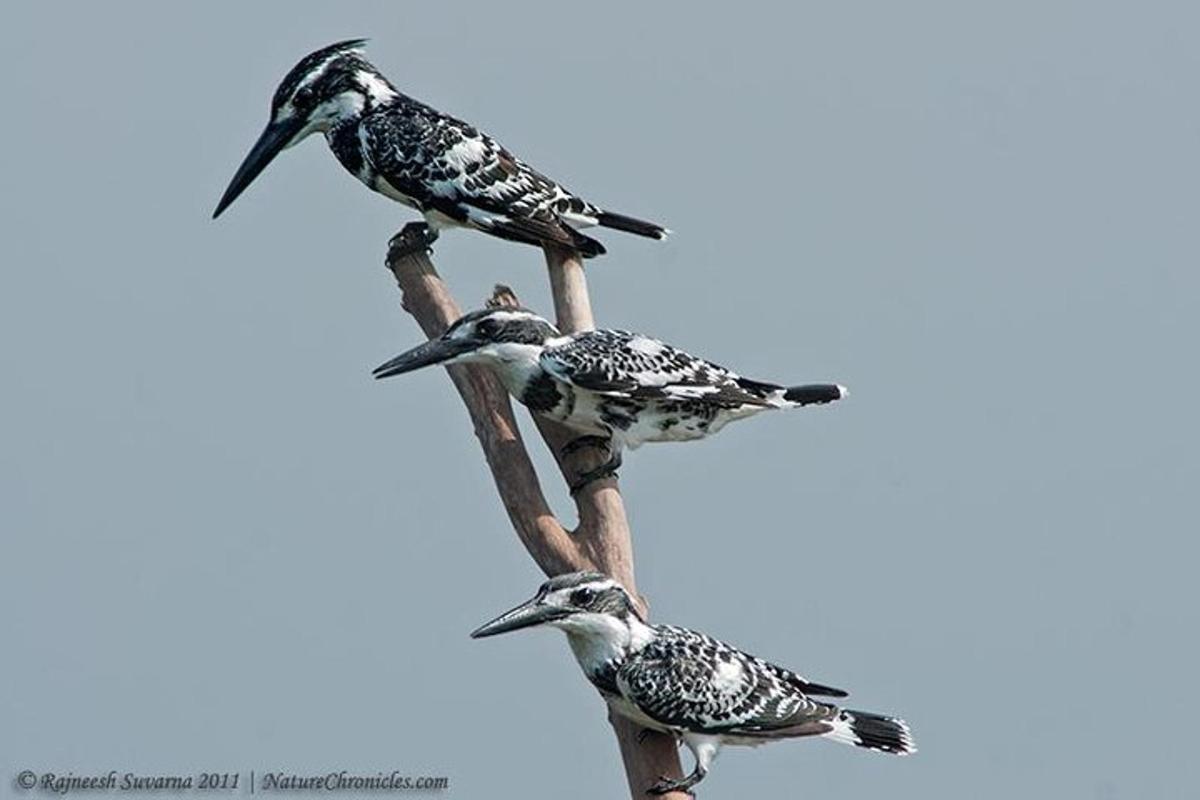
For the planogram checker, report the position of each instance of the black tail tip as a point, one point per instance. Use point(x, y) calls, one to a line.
point(880, 733)
point(814, 394)
point(620, 222)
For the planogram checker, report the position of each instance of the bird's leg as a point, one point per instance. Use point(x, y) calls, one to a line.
point(704, 748)
point(413, 238)
point(580, 442)
point(606, 470)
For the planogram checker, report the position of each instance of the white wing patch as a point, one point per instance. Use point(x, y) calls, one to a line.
point(466, 151)
point(689, 392)
point(645, 345)
point(728, 676)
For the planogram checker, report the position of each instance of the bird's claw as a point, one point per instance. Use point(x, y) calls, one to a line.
point(414, 238)
point(606, 470)
point(666, 784)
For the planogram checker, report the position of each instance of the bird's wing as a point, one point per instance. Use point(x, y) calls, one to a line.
point(450, 166)
point(803, 684)
point(400, 146)
point(630, 365)
point(690, 681)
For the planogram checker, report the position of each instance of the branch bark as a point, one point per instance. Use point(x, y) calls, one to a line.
point(601, 541)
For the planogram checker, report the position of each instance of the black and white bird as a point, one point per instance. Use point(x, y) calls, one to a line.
point(614, 388)
point(704, 692)
point(450, 171)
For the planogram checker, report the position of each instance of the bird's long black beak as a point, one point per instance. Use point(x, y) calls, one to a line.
point(435, 351)
point(526, 615)
point(274, 138)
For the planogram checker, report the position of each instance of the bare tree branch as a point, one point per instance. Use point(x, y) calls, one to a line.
point(602, 540)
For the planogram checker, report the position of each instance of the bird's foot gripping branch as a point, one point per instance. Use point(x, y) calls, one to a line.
point(414, 238)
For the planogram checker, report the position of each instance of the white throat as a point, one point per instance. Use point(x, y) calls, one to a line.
point(599, 639)
point(515, 363)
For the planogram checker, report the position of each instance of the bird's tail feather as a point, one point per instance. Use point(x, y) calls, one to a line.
point(814, 394)
point(873, 732)
point(586, 245)
point(621, 222)
point(536, 232)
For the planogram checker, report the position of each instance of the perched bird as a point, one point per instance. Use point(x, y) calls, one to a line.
point(700, 690)
point(450, 171)
point(616, 389)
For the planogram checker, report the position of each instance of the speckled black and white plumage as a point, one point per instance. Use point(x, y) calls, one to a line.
point(701, 690)
point(687, 680)
point(610, 383)
point(449, 170)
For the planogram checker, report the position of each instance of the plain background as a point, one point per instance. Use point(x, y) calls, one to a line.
point(226, 547)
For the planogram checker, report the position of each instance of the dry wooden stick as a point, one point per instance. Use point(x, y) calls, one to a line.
point(601, 541)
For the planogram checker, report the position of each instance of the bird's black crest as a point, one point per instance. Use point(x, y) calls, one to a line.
point(310, 62)
point(571, 579)
point(474, 316)
point(525, 330)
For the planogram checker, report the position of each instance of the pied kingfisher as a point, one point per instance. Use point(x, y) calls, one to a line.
point(450, 171)
point(614, 388)
point(700, 690)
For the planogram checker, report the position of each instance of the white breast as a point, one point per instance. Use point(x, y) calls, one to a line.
point(584, 412)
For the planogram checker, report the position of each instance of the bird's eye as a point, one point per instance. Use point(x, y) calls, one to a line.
point(487, 328)
point(581, 597)
point(303, 98)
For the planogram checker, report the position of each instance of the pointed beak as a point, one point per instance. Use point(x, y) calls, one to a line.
point(274, 138)
point(526, 615)
point(435, 351)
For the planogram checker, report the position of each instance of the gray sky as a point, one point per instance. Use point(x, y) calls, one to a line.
point(226, 548)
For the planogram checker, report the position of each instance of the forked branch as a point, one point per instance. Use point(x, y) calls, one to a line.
point(601, 541)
